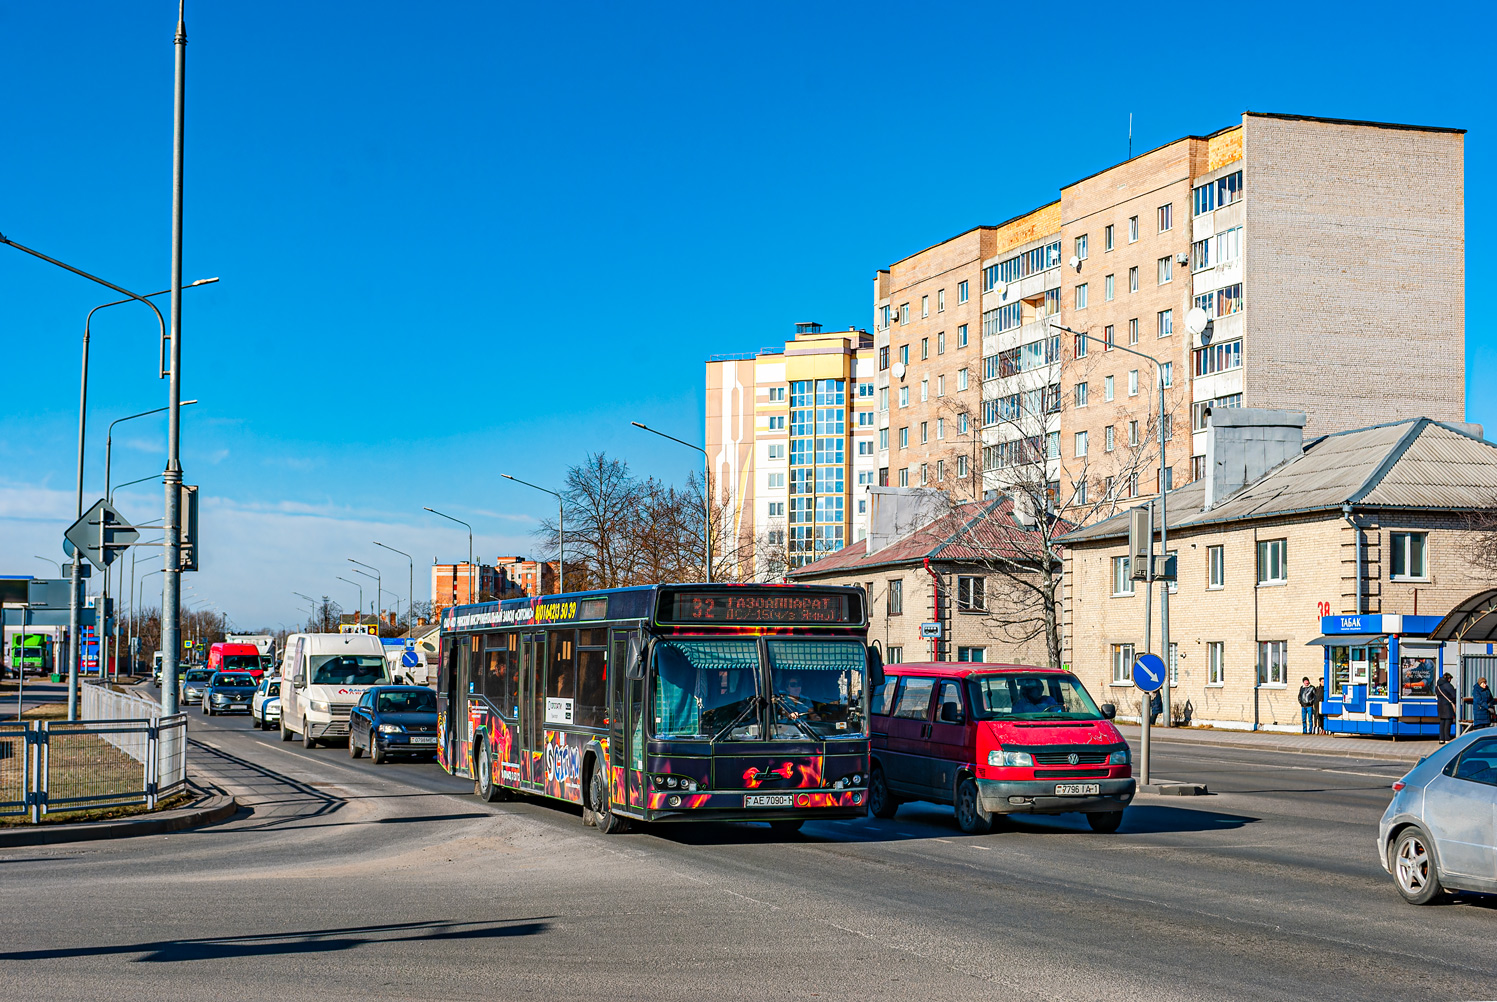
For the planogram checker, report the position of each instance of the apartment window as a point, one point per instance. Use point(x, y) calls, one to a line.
point(924, 348)
point(971, 594)
point(1109, 287)
point(1167, 374)
point(1132, 229)
point(1215, 194)
point(896, 597)
point(777, 451)
point(865, 419)
point(1081, 247)
point(1107, 238)
point(961, 423)
point(1216, 672)
point(883, 357)
point(904, 438)
point(1004, 318)
point(1200, 255)
point(1109, 437)
point(904, 396)
point(1133, 279)
point(924, 438)
point(1122, 664)
point(924, 307)
point(924, 390)
point(1216, 567)
point(1081, 296)
point(865, 448)
point(1133, 382)
point(1218, 357)
point(1132, 485)
point(883, 317)
point(883, 476)
point(940, 428)
point(883, 398)
point(1080, 444)
point(940, 300)
point(883, 439)
point(776, 509)
point(1197, 467)
point(896, 656)
point(1273, 561)
point(922, 474)
point(1410, 555)
point(1081, 394)
point(904, 313)
point(1166, 323)
point(777, 394)
point(862, 505)
point(961, 331)
point(1122, 578)
point(1166, 270)
point(1132, 432)
point(904, 477)
point(904, 354)
point(1107, 487)
point(1229, 245)
point(1078, 492)
point(961, 379)
point(961, 467)
point(940, 469)
point(961, 293)
point(1132, 331)
point(777, 480)
point(1273, 662)
point(1166, 217)
point(777, 422)
point(1169, 436)
point(1107, 388)
point(941, 343)
point(1080, 346)
point(1052, 445)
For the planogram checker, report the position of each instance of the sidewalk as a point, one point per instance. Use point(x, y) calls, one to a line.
point(1341, 746)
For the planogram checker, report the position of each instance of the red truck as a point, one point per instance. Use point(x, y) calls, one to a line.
point(236, 657)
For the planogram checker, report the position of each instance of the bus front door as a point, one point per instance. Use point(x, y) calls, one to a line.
point(532, 709)
point(457, 709)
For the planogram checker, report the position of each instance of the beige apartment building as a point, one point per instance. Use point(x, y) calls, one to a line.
point(790, 441)
point(1365, 530)
point(1326, 258)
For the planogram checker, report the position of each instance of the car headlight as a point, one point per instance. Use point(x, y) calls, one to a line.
point(1000, 757)
point(1119, 757)
point(318, 706)
point(391, 729)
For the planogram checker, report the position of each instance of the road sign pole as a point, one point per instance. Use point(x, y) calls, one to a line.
point(1146, 719)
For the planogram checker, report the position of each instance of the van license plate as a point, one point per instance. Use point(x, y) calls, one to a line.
point(1077, 789)
point(768, 800)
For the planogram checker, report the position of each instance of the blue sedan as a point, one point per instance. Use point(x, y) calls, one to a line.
point(394, 720)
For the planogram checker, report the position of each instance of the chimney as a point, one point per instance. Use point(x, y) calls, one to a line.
point(1243, 444)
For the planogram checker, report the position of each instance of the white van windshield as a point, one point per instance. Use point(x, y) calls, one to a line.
point(347, 669)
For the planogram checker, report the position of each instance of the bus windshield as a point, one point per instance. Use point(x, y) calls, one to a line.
point(1032, 697)
point(347, 669)
point(818, 687)
point(707, 689)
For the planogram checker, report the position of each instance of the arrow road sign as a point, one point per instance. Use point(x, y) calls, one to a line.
point(410, 659)
point(101, 534)
point(1148, 672)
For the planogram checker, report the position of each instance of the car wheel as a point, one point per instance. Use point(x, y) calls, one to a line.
point(354, 751)
point(970, 817)
point(307, 741)
point(1105, 822)
point(286, 734)
point(880, 803)
point(607, 822)
point(377, 755)
point(1414, 869)
point(483, 773)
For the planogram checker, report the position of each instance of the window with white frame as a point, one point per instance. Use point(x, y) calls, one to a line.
point(1107, 384)
point(971, 594)
point(1133, 279)
point(1166, 323)
point(1133, 331)
point(941, 343)
point(776, 509)
point(940, 386)
point(1132, 229)
point(1410, 556)
point(1216, 662)
point(961, 379)
point(904, 477)
point(1081, 394)
point(961, 331)
point(1109, 287)
point(924, 307)
point(924, 390)
point(1122, 664)
point(904, 313)
point(1167, 374)
point(961, 467)
point(973, 655)
point(865, 448)
point(1081, 247)
point(1108, 439)
point(961, 423)
point(1166, 270)
point(777, 394)
point(1081, 296)
point(1132, 432)
point(1133, 382)
point(1052, 445)
point(1200, 255)
point(904, 396)
point(1080, 444)
point(904, 438)
point(777, 451)
point(1216, 567)
point(865, 419)
point(883, 439)
point(940, 300)
point(940, 470)
point(1273, 561)
point(961, 294)
point(1122, 579)
point(1273, 662)
point(777, 422)
point(1166, 217)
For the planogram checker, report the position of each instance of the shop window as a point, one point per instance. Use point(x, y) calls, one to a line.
point(1409, 558)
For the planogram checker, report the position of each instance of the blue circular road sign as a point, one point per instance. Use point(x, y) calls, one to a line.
point(1148, 672)
point(410, 659)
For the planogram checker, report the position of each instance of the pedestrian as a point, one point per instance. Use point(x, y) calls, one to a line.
point(1481, 704)
point(1306, 706)
point(1156, 707)
point(1319, 722)
point(1445, 696)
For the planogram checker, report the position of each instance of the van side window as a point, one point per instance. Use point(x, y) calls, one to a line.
point(949, 704)
point(883, 696)
point(914, 698)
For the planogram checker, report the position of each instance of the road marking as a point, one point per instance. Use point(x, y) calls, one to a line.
point(1308, 768)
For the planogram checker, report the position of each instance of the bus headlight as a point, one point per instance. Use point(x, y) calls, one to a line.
point(999, 757)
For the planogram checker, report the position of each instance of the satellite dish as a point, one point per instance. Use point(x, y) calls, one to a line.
point(1196, 320)
point(898, 370)
point(1075, 262)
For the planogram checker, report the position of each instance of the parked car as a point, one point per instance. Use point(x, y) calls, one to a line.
point(194, 683)
point(228, 692)
point(268, 689)
point(394, 720)
point(1439, 832)
point(993, 740)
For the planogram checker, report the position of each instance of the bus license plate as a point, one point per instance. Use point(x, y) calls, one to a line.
point(1077, 789)
point(768, 800)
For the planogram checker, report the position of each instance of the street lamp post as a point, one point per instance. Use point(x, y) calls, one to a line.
point(411, 594)
point(472, 589)
point(706, 487)
point(378, 590)
point(377, 583)
point(561, 533)
point(356, 584)
point(312, 601)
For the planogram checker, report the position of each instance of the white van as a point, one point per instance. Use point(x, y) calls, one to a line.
point(322, 677)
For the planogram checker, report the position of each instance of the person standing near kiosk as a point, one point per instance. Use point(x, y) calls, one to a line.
point(1481, 704)
point(1446, 697)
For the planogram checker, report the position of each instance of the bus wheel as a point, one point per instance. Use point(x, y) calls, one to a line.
point(607, 822)
point(483, 775)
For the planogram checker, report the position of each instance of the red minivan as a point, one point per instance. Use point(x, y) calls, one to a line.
point(996, 739)
point(236, 657)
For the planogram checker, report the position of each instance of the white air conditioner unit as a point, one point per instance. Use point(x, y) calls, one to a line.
point(1183, 257)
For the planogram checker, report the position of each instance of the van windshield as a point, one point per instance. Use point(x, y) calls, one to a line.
point(1031, 696)
point(347, 669)
point(241, 662)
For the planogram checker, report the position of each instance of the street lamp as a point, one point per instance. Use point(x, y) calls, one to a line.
point(561, 535)
point(357, 585)
point(378, 584)
point(310, 600)
point(706, 487)
point(472, 590)
point(377, 589)
point(52, 562)
point(411, 595)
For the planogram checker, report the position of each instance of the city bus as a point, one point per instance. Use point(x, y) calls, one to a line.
point(725, 702)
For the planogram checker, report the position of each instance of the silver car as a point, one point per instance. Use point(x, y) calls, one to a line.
point(1440, 831)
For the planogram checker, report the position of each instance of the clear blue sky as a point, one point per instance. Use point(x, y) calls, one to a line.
point(469, 239)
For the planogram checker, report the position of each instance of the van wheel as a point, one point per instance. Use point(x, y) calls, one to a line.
point(970, 817)
point(307, 741)
point(880, 803)
point(286, 734)
point(607, 822)
point(1414, 869)
point(1105, 822)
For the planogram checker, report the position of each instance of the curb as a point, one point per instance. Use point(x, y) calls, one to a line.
point(209, 810)
point(1170, 788)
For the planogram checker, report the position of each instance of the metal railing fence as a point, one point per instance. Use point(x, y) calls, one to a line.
point(48, 766)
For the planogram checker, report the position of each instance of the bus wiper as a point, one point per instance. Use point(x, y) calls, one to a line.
point(794, 718)
point(754, 703)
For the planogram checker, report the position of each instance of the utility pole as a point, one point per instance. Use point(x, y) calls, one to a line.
point(171, 592)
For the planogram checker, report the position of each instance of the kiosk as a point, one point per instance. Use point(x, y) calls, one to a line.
point(1380, 674)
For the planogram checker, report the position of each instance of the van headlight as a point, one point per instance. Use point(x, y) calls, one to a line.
point(1000, 757)
point(318, 706)
point(1119, 757)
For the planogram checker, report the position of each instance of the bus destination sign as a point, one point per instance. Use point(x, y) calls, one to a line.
point(761, 608)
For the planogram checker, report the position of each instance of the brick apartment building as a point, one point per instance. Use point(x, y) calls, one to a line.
point(790, 438)
point(508, 577)
point(1327, 255)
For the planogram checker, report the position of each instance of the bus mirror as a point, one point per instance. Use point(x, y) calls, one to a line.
point(635, 665)
point(875, 666)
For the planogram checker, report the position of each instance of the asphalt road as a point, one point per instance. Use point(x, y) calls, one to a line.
point(350, 880)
